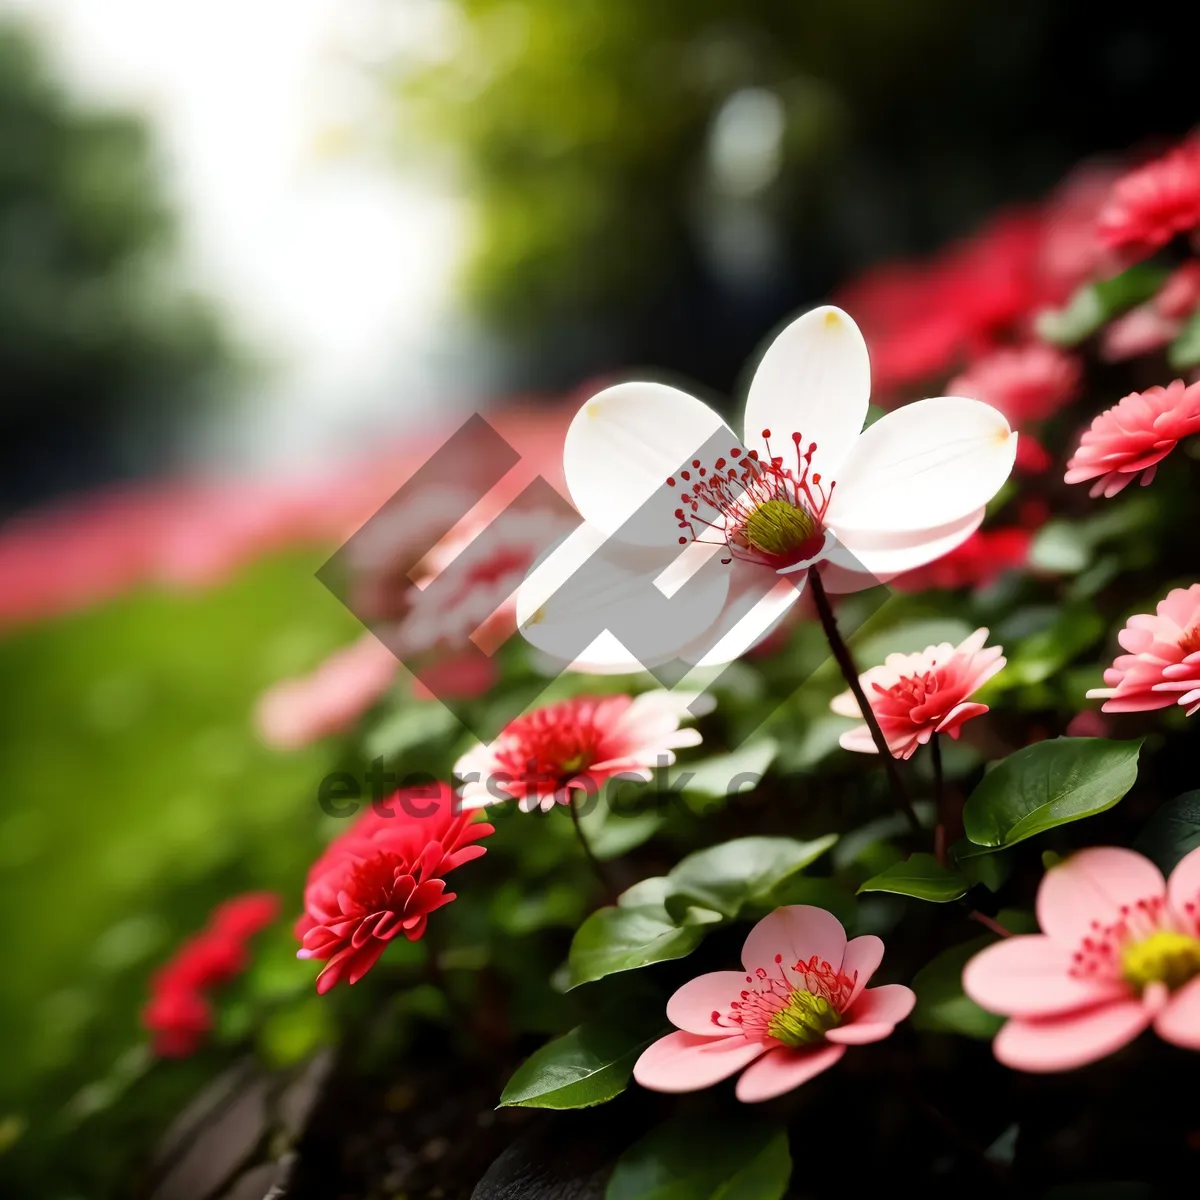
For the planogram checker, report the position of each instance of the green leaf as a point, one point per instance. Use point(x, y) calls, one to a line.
point(611, 833)
point(1048, 784)
point(689, 1158)
point(728, 877)
point(590, 1065)
point(921, 877)
point(727, 774)
point(630, 936)
point(1044, 653)
point(1184, 351)
point(942, 1006)
point(665, 917)
point(1094, 304)
point(1172, 832)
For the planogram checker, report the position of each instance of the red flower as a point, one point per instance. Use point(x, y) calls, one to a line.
point(1026, 383)
point(382, 878)
point(544, 757)
point(978, 562)
point(179, 1019)
point(1150, 205)
point(243, 916)
point(178, 1014)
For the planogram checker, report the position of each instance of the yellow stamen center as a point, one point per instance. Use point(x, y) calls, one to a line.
point(805, 1020)
point(1164, 957)
point(777, 527)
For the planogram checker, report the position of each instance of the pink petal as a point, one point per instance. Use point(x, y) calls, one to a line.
point(1179, 1021)
point(863, 954)
point(860, 1033)
point(685, 1062)
point(782, 1070)
point(1183, 890)
point(691, 1008)
point(1027, 976)
point(1063, 1043)
point(792, 933)
point(874, 1015)
point(886, 1005)
point(1092, 886)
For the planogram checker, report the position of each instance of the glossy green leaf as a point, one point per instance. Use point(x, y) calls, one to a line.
point(1184, 351)
point(922, 877)
point(1048, 784)
point(728, 877)
point(634, 933)
point(1094, 304)
point(736, 1157)
point(590, 1065)
point(1172, 832)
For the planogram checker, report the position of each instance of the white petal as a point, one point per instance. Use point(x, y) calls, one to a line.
point(814, 380)
point(884, 556)
point(742, 623)
point(923, 466)
point(597, 606)
point(624, 444)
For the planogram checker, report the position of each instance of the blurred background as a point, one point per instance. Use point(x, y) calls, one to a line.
point(245, 243)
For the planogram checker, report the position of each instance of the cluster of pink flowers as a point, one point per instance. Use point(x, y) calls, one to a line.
point(179, 1015)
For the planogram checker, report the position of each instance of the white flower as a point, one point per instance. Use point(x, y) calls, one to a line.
point(671, 499)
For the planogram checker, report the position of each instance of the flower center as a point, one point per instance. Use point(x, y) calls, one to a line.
point(805, 1019)
point(778, 527)
point(1189, 643)
point(1164, 957)
point(759, 508)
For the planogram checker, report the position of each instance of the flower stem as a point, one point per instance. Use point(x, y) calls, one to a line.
point(989, 923)
point(939, 799)
point(841, 653)
point(597, 866)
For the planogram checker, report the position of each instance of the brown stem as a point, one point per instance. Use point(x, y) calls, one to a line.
point(844, 659)
point(597, 866)
point(989, 923)
point(939, 799)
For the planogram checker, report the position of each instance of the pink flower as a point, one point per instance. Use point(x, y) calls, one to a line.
point(1150, 205)
point(1026, 383)
point(1163, 664)
point(915, 696)
point(1134, 436)
point(577, 744)
point(1140, 331)
point(1180, 295)
point(382, 878)
point(801, 1000)
point(329, 700)
point(1119, 951)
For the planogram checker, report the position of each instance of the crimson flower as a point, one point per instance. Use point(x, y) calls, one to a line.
point(382, 878)
point(1150, 205)
point(179, 1014)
